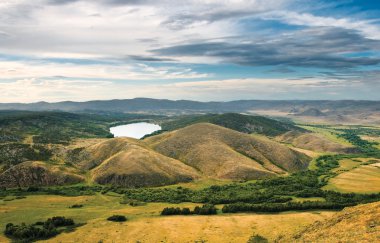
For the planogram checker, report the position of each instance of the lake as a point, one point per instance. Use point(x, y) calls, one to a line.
point(134, 130)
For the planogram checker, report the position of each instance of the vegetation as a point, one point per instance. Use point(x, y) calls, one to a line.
point(234, 121)
point(207, 209)
point(15, 153)
point(117, 218)
point(76, 206)
point(364, 145)
point(257, 239)
point(60, 127)
point(38, 230)
point(271, 195)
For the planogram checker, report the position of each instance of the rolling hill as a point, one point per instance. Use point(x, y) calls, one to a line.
point(354, 224)
point(314, 142)
point(224, 153)
point(235, 121)
point(128, 162)
point(37, 173)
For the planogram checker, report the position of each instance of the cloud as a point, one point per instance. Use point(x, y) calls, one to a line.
point(219, 90)
point(306, 19)
point(150, 59)
point(51, 46)
point(322, 47)
point(113, 71)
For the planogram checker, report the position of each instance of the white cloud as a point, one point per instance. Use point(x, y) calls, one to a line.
point(30, 90)
point(25, 70)
point(366, 27)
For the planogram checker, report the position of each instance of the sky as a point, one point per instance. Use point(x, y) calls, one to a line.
point(58, 50)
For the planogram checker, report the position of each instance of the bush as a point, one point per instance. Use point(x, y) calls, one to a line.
point(76, 206)
point(33, 232)
point(117, 218)
point(257, 239)
point(206, 209)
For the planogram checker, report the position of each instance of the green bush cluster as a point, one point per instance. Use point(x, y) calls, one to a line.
point(37, 231)
point(280, 207)
point(206, 209)
point(117, 218)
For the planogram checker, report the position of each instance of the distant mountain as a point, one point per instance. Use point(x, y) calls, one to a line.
point(311, 112)
point(187, 106)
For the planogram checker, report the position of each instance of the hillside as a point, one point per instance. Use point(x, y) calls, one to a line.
point(59, 127)
point(311, 112)
point(129, 163)
point(234, 121)
point(35, 173)
point(354, 224)
point(314, 142)
point(223, 153)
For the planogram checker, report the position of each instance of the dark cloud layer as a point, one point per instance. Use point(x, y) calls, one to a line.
point(314, 47)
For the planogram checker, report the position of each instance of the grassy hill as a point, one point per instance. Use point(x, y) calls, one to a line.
point(36, 173)
point(234, 121)
point(354, 224)
point(315, 142)
point(224, 153)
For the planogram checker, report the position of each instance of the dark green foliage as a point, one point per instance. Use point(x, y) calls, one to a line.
point(235, 121)
point(364, 146)
point(71, 191)
point(76, 206)
point(257, 239)
point(207, 209)
point(270, 194)
point(280, 207)
point(61, 127)
point(39, 230)
point(15, 153)
point(117, 218)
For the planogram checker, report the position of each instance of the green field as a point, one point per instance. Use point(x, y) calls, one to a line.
point(329, 133)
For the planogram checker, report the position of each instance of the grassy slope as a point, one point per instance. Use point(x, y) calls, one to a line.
point(144, 222)
point(315, 142)
point(355, 224)
point(328, 133)
point(224, 153)
point(234, 121)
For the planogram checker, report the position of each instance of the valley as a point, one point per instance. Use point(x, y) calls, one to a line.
point(257, 171)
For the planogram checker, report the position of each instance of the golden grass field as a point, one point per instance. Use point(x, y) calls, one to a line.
point(356, 176)
point(354, 224)
point(145, 224)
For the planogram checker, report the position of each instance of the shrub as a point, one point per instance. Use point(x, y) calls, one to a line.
point(117, 218)
point(33, 232)
point(76, 206)
point(206, 209)
point(257, 239)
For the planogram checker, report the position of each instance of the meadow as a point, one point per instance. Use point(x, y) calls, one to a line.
point(145, 224)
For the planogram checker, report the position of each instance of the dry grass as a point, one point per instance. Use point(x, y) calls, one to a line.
point(314, 142)
point(363, 179)
point(145, 224)
point(231, 228)
point(37, 173)
point(223, 153)
point(356, 224)
point(138, 166)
